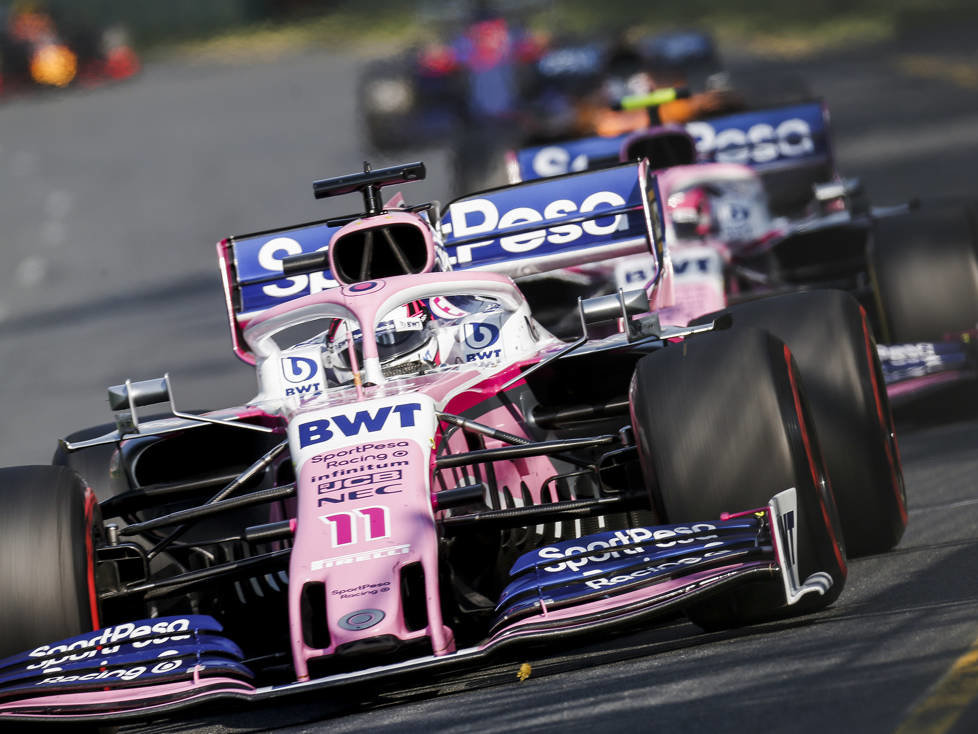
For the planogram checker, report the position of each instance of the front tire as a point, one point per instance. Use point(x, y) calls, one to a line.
point(830, 338)
point(47, 542)
point(721, 426)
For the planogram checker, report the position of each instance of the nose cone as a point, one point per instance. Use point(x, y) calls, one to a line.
point(363, 575)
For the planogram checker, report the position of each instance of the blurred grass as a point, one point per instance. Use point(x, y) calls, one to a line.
point(765, 27)
point(344, 29)
point(773, 26)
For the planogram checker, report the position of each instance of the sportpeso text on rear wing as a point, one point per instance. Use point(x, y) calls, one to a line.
point(557, 222)
point(769, 140)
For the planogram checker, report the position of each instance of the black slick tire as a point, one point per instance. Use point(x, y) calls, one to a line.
point(833, 345)
point(924, 269)
point(47, 537)
point(722, 426)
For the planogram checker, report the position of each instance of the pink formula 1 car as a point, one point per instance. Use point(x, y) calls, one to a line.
point(754, 207)
point(427, 476)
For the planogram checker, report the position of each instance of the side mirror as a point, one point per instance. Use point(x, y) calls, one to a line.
point(621, 305)
point(369, 183)
point(848, 190)
point(125, 398)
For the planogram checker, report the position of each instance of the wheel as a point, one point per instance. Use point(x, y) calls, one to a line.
point(830, 338)
point(924, 269)
point(47, 544)
point(721, 426)
point(92, 464)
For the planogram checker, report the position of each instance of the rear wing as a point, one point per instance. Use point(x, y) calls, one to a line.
point(769, 140)
point(766, 139)
point(554, 159)
point(515, 230)
point(556, 223)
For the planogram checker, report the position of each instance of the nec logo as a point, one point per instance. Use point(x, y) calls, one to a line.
point(299, 369)
point(474, 217)
point(324, 429)
point(760, 143)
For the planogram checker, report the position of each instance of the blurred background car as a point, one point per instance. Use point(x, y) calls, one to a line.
point(41, 47)
point(488, 82)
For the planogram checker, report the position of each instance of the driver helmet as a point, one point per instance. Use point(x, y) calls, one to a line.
point(690, 212)
point(406, 344)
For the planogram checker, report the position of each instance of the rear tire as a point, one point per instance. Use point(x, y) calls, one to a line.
point(924, 268)
point(47, 542)
point(830, 338)
point(721, 426)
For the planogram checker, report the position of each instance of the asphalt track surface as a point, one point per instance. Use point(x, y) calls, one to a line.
point(110, 201)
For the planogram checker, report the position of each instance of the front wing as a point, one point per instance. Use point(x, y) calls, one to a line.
point(599, 582)
point(913, 370)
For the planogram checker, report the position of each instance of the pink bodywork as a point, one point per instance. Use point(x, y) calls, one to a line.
point(360, 570)
point(695, 297)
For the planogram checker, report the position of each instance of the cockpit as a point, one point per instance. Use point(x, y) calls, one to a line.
point(417, 338)
point(385, 330)
point(730, 208)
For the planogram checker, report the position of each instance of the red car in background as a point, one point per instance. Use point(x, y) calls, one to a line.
point(36, 51)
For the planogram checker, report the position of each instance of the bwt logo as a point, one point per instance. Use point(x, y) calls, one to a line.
point(696, 262)
point(479, 335)
point(760, 143)
point(311, 389)
point(479, 356)
point(474, 217)
point(692, 265)
point(637, 276)
point(299, 369)
point(324, 429)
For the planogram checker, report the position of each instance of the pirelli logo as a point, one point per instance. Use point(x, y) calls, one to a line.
point(370, 555)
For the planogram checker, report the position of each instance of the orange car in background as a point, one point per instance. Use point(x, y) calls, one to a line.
point(37, 51)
